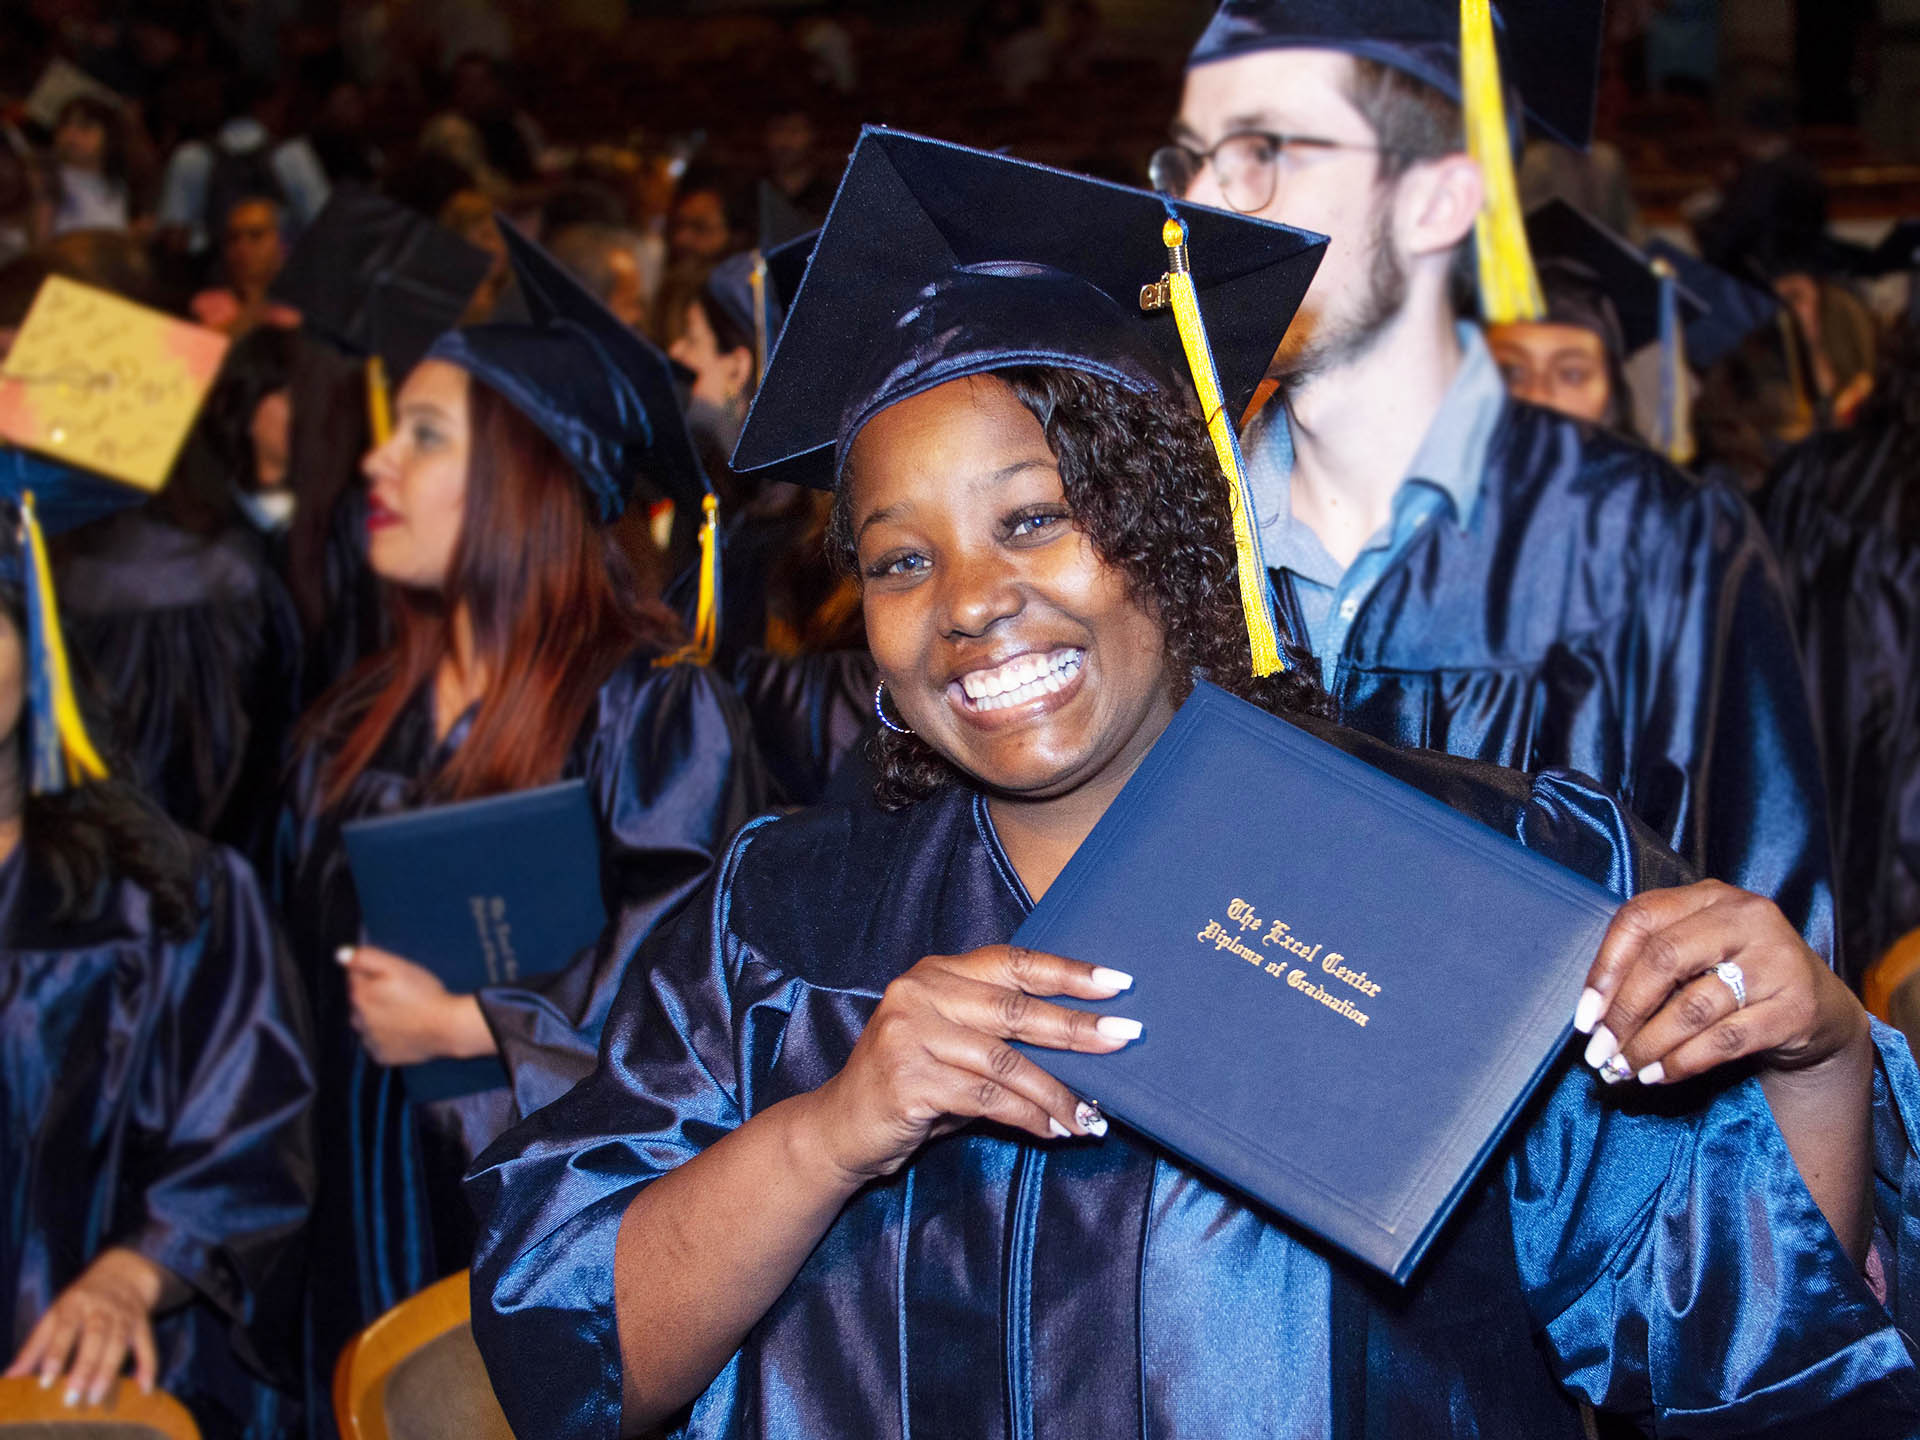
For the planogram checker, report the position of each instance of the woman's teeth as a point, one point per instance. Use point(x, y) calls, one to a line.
point(1022, 679)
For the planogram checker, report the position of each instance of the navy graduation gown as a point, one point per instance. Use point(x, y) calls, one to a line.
point(1656, 1255)
point(810, 713)
point(198, 644)
point(1846, 525)
point(155, 1095)
point(1600, 612)
point(672, 774)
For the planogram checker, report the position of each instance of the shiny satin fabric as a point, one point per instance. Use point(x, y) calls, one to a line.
point(155, 1095)
point(1599, 612)
point(197, 644)
point(1655, 1254)
point(1843, 523)
point(672, 773)
point(810, 713)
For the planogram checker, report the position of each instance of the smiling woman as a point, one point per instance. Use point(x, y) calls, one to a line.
point(813, 1189)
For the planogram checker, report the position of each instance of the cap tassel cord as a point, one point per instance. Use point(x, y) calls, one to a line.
point(706, 612)
point(1176, 290)
point(63, 754)
point(1675, 440)
point(379, 401)
point(1509, 288)
point(757, 283)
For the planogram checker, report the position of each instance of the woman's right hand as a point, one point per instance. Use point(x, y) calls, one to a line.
point(935, 1057)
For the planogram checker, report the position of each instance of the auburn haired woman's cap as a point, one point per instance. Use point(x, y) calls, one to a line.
point(1551, 48)
point(938, 261)
point(596, 387)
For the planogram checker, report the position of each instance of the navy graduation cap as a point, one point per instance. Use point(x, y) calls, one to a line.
point(39, 497)
point(1734, 308)
point(601, 392)
point(938, 262)
point(1595, 278)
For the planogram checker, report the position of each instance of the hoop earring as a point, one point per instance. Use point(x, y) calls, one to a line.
point(879, 695)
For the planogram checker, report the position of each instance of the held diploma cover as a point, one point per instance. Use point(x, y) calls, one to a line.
point(486, 892)
point(1348, 990)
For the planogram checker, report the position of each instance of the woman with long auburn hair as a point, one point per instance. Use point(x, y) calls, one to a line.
point(521, 657)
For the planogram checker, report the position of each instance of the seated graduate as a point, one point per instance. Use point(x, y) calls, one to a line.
point(774, 1210)
point(155, 1157)
point(1606, 301)
point(522, 657)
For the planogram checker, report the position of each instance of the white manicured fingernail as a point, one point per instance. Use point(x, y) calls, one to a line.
point(1602, 1048)
point(1117, 1027)
point(344, 955)
point(1110, 979)
point(1088, 1117)
point(47, 1377)
point(1654, 1074)
point(1060, 1131)
point(1615, 1070)
point(1588, 1012)
point(71, 1399)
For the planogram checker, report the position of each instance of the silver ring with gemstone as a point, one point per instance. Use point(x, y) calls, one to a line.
point(1735, 979)
point(1616, 1068)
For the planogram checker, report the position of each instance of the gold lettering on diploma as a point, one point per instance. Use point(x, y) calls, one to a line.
point(1244, 921)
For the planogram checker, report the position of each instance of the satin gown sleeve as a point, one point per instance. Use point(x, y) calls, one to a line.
point(673, 774)
point(225, 1169)
point(809, 714)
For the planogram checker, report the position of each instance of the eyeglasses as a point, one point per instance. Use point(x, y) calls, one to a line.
point(1246, 164)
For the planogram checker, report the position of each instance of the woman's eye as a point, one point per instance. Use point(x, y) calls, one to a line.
point(1036, 522)
point(425, 436)
point(907, 564)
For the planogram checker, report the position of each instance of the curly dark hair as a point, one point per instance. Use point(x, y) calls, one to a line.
point(78, 842)
point(1144, 486)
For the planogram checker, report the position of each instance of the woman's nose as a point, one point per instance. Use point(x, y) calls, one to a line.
point(981, 591)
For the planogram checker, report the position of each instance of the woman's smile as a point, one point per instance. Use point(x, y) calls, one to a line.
point(1029, 683)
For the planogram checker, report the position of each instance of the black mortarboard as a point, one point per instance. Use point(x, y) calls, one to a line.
point(377, 278)
point(1552, 47)
point(595, 387)
point(1735, 308)
point(1594, 278)
point(787, 267)
point(1899, 252)
point(939, 261)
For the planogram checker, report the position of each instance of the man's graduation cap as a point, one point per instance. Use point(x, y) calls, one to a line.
point(40, 497)
point(1734, 308)
point(1552, 59)
point(938, 262)
point(598, 389)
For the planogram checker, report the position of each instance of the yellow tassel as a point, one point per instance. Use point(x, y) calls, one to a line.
point(1509, 289)
point(379, 402)
point(762, 342)
point(706, 612)
point(83, 762)
point(1674, 373)
point(1176, 290)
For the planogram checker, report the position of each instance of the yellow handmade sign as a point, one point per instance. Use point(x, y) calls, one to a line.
point(104, 384)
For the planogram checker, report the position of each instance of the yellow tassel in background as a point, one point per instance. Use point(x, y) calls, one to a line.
point(82, 761)
point(706, 613)
point(1509, 289)
point(379, 402)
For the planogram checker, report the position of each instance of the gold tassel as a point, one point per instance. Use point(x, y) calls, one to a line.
point(1509, 289)
point(83, 762)
point(1176, 290)
point(379, 401)
point(1673, 366)
point(706, 612)
point(762, 342)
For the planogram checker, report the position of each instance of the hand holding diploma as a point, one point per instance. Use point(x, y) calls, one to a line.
point(404, 1015)
point(1691, 979)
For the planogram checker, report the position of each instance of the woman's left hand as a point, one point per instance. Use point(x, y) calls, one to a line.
point(94, 1324)
point(405, 1016)
point(1658, 1011)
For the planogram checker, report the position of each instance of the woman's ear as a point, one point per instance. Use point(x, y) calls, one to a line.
point(736, 373)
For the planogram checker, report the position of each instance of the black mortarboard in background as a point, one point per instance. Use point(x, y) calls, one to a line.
point(1735, 308)
point(1597, 279)
point(598, 389)
point(1551, 47)
point(939, 261)
point(787, 267)
point(376, 278)
point(1899, 252)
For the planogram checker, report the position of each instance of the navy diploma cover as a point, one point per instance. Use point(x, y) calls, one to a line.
point(1348, 989)
point(487, 892)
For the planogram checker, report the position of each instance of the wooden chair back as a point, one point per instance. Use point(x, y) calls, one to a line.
point(415, 1374)
point(29, 1413)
